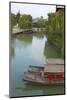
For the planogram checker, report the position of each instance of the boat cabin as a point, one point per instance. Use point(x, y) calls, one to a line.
point(49, 73)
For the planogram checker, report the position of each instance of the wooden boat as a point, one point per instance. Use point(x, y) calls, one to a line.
point(50, 74)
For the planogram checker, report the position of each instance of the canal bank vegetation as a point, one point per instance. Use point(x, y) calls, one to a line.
point(55, 30)
point(14, 20)
point(20, 21)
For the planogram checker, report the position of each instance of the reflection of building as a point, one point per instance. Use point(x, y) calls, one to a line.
point(59, 7)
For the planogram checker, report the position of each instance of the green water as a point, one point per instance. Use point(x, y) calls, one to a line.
point(27, 49)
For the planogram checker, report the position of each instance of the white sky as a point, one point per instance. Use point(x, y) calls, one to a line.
point(33, 9)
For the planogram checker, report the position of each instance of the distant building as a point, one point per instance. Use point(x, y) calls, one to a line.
point(34, 22)
point(59, 7)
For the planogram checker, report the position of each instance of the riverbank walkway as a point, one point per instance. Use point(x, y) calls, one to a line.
point(18, 31)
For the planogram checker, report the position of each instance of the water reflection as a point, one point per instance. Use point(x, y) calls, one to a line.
point(27, 38)
point(39, 45)
point(50, 51)
point(42, 89)
point(31, 45)
point(26, 50)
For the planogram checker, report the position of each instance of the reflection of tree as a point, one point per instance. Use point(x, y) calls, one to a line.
point(30, 86)
point(51, 52)
point(39, 35)
point(12, 48)
point(50, 90)
point(46, 90)
point(12, 52)
point(25, 38)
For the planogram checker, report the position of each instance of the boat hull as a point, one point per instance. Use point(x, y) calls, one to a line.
point(44, 82)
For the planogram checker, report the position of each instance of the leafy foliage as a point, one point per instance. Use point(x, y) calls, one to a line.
point(17, 17)
point(25, 21)
point(12, 21)
point(41, 22)
point(55, 30)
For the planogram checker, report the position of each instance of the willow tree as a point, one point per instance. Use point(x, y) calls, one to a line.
point(55, 29)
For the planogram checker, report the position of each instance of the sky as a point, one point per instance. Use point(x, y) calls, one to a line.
point(33, 9)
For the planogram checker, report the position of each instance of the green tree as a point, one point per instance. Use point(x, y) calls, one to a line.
point(12, 21)
point(41, 22)
point(55, 29)
point(17, 17)
point(25, 21)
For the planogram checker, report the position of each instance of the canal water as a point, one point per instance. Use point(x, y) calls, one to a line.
point(30, 50)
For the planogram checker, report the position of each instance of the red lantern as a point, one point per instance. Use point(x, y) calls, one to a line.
point(60, 76)
point(50, 76)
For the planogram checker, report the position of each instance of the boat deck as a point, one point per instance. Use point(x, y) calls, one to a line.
point(44, 82)
point(41, 74)
point(37, 78)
